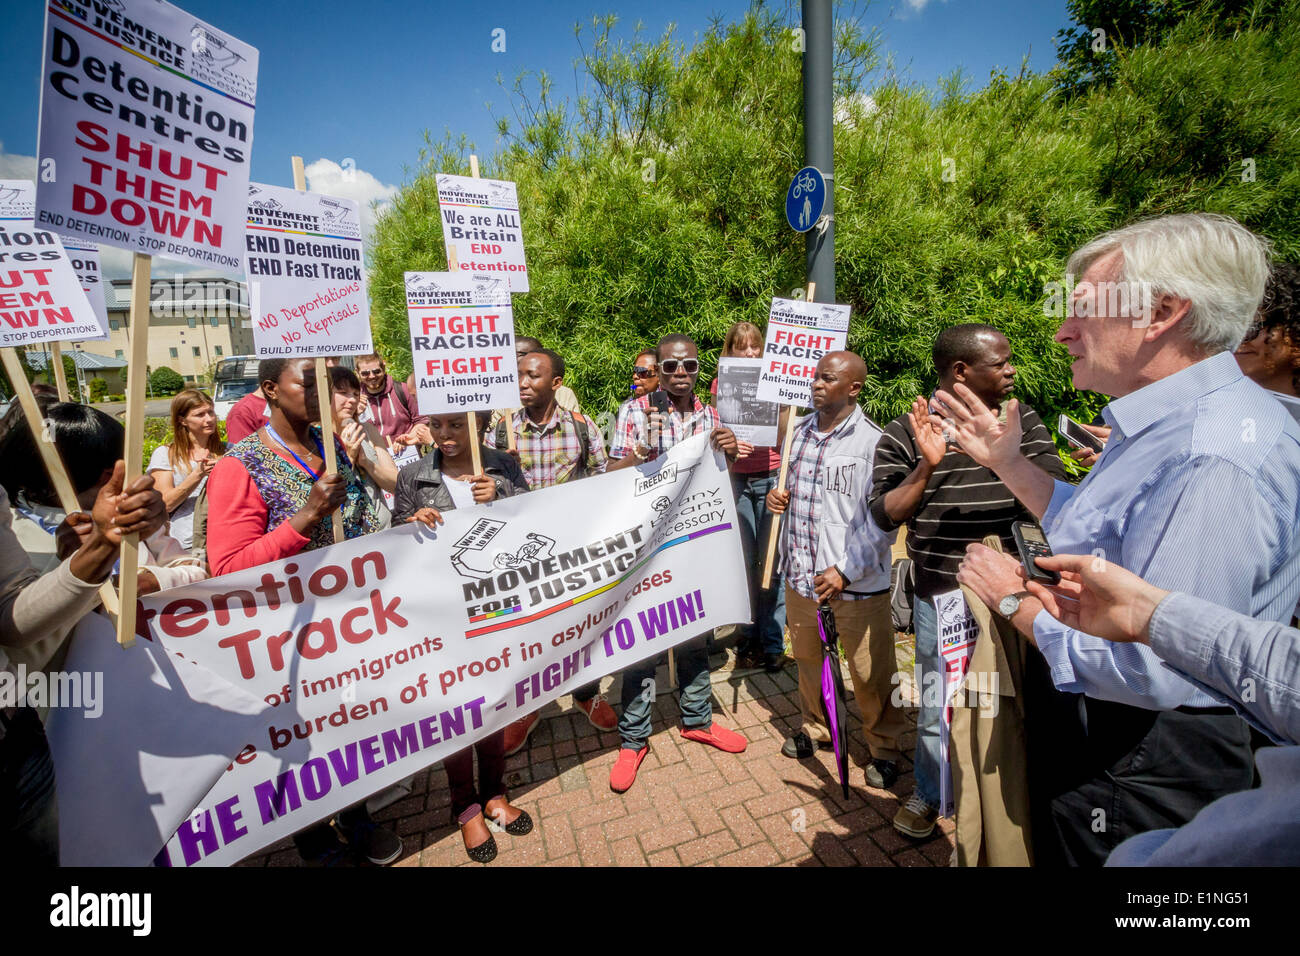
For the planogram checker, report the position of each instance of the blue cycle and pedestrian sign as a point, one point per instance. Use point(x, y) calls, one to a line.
point(805, 199)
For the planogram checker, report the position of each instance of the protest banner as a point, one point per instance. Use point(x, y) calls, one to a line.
point(958, 631)
point(388, 653)
point(306, 284)
point(131, 767)
point(739, 407)
point(146, 128)
point(480, 220)
point(799, 333)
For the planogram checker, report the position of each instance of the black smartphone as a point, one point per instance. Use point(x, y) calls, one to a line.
point(660, 403)
point(1032, 543)
point(1078, 436)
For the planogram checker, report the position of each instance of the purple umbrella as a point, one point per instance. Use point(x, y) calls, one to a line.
point(833, 701)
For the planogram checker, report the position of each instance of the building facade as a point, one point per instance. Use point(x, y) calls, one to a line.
point(194, 322)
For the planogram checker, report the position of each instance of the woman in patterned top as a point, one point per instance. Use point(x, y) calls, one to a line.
point(269, 498)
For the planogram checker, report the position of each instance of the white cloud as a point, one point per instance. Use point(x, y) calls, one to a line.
point(327, 176)
point(919, 5)
point(16, 165)
point(849, 111)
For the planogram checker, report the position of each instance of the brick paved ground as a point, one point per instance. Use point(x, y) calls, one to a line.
point(692, 805)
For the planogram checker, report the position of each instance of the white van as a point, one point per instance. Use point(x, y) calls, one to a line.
point(235, 377)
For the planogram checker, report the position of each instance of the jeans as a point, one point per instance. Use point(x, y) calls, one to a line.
point(696, 693)
point(466, 801)
point(29, 812)
point(766, 606)
point(926, 762)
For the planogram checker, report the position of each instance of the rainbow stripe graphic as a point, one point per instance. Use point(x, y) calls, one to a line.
point(302, 232)
point(57, 11)
point(596, 592)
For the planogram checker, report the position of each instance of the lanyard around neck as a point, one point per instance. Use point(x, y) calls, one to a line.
point(307, 468)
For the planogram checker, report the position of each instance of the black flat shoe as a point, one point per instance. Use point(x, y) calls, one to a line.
point(485, 852)
point(799, 746)
point(520, 825)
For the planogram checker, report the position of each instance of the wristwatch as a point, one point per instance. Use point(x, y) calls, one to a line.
point(1010, 604)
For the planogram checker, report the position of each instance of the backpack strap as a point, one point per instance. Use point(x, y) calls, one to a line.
point(584, 437)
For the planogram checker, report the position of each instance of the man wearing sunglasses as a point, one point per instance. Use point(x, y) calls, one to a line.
point(643, 433)
point(390, 405)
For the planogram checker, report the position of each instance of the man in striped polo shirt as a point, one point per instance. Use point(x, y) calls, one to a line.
point(947, 502)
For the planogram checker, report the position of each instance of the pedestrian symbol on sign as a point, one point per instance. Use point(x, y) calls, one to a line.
point(805, 199)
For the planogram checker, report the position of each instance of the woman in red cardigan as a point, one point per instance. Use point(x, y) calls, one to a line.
point(269, 498)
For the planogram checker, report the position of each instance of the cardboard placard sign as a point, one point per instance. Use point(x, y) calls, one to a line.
point(462, 342)
point(799, 333)
point(739, 407)
point(480, 219)
point(306, 284)
point(146, 130)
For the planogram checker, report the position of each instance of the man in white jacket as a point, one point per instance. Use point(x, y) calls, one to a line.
point(833, 552)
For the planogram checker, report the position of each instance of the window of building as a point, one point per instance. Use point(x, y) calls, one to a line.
point(174, 353)
point(114, 325)
point(219, 352)
point(117, 353)
point(215, 322)
point(197, 351)
point(194, 323)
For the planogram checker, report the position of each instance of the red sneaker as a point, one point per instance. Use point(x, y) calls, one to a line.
point(517, 733)
point(623, 773)
point(720, 737)
point(599, 712)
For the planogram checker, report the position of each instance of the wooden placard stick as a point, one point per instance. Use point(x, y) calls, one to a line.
point(323, 391)
point(787, 422)
point(510, 429)
point(138, 332)
point(60, 377)
point(54, 466)
point(475, 456)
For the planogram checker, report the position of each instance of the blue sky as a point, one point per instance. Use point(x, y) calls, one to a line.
point(362, 79)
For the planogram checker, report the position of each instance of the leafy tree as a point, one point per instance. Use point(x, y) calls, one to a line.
point(98, 389)
point(651, 203)
point(166, 381)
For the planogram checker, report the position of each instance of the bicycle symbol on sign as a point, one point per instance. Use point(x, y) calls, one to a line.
point(804, 184)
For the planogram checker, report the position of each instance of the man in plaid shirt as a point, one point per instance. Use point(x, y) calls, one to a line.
point(834, 553)
point(648, 426)
point(553, 445)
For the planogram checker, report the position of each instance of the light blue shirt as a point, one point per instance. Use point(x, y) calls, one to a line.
point(1197, 490)
point(1255, 667)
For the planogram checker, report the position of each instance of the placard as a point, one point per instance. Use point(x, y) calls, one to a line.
point(17, 203)
point(146, 129)
point(958, 631)
point(739, 407)
point(462, 342)
point(307, 289)
point(480, 219)
point(798, 334)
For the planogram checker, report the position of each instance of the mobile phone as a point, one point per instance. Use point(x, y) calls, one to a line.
point(659, 402)
point(1078, 436)
point(1032, 543)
